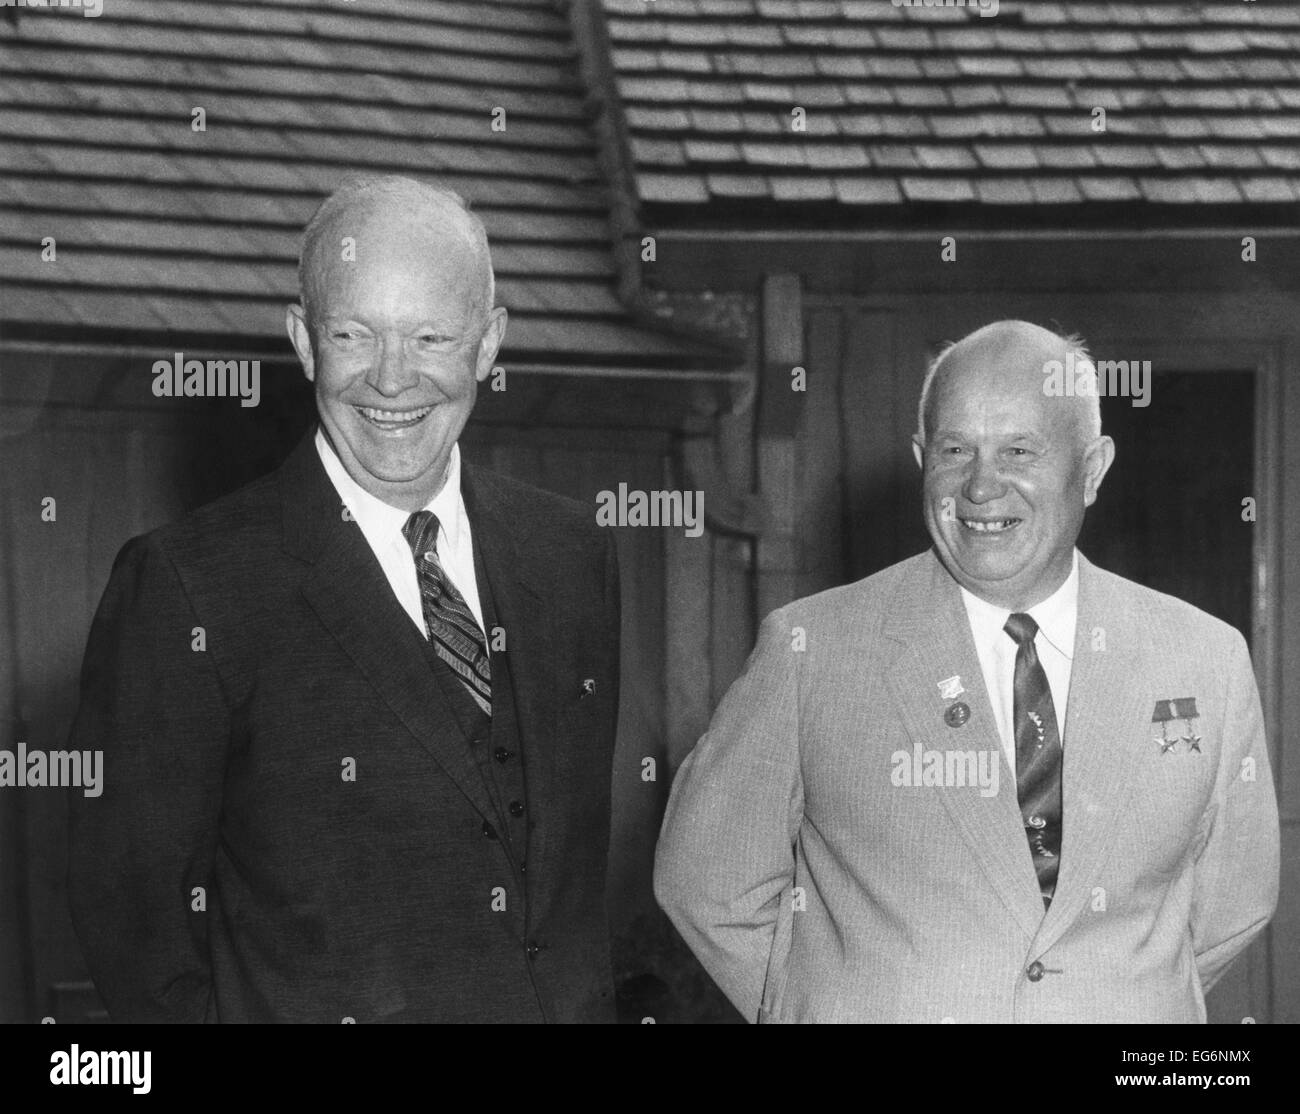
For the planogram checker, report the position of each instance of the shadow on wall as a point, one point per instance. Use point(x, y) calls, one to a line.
point(657, 978)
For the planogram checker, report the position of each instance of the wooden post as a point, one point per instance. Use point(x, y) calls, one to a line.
point(779, 412)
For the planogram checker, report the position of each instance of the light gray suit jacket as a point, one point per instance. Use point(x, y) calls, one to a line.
point(815, 884)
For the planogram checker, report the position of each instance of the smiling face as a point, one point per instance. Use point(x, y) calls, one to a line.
point(396, 342)
point(1008, 470)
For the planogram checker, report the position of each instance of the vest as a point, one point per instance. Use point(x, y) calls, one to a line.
point(497, 747)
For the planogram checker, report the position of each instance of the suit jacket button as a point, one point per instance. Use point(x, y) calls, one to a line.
point(516, 808)
point(1034, 971)
point(489, 831)
point(533, 950)
point(501, 754)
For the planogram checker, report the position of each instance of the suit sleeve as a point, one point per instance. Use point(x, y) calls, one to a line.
point(725, 856)
point(1236, 874)
point(153, 705)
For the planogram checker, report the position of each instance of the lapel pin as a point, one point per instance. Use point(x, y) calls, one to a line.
point(951, 688)
point(1183, 710)
point(588, 687)
point(956, 715)
point(1162, 715)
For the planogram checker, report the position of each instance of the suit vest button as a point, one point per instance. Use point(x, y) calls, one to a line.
point(516, 808)
point(489, 831)
point(501, 754)
point(1034, 971)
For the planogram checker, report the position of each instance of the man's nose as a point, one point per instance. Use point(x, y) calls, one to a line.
point(983, 483)
point(392, 373)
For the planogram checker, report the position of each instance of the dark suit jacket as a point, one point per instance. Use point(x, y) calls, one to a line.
point(229, 872)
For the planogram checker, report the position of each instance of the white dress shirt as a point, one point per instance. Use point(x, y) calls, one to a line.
point(382, 524)
point(1057, 617)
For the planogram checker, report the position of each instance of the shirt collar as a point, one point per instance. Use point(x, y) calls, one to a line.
point(1057, 616)
point(382, 522)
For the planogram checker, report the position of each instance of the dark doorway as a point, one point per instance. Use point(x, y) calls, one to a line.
point(1170, 512)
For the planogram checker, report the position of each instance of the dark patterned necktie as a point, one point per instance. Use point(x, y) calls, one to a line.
point(456, 635)
point(1038, 756)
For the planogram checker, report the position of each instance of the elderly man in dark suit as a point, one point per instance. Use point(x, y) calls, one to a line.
point(358, 717)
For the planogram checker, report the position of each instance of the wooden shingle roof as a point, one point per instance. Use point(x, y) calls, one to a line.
point(164, 229)
point(934, 109)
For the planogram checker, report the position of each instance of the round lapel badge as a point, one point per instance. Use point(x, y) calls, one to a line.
point(957, 714)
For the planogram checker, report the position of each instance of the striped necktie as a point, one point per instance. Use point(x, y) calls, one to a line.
point(455, 633)
point(1038, 755)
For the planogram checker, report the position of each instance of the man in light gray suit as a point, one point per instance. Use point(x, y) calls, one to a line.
point(992, 783)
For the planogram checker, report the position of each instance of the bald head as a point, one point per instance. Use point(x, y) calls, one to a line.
point(396, 330)
point(1013, 356)
point(1009, 463)
point(380, 211)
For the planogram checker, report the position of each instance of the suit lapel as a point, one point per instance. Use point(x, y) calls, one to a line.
point(350, 594)
point(524, 605)
point(1106, 714)
point(929, 620)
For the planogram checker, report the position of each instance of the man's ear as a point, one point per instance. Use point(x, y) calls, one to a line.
point(1097, 459)
point(918, 450)
point(490, 343)
point(295, 322)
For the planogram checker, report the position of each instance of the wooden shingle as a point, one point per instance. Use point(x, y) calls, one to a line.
point(162, 228)
point(1023, 87)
